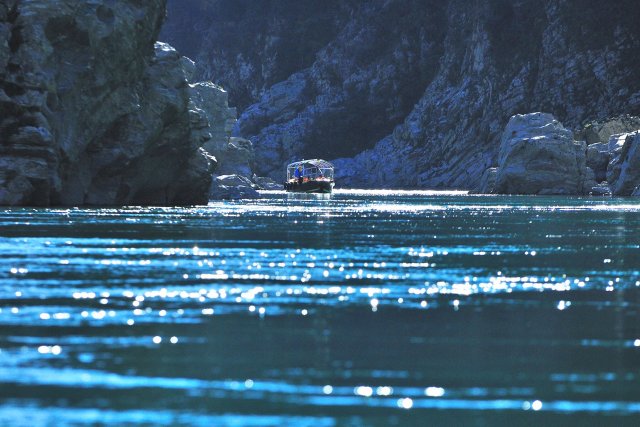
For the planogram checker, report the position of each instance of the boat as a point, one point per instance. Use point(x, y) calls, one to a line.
point(310, 176)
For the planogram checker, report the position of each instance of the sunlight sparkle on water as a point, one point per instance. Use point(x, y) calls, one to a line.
point(359, 300)
point(406, 403)
point(434, 391)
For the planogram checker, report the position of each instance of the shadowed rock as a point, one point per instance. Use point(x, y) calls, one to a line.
point(601, 130)
point(488, 181)
point(415, 93)
point(92, 110)
point(598, 159)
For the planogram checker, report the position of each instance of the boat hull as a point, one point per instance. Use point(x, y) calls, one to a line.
point(310, 187)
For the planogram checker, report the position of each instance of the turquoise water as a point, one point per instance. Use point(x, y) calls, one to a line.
point(360, 308)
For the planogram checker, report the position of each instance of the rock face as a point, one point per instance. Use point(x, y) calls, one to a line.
point(247, 46)
point(488, 181)
point(598, 159)
point(92, 111)
point(212, 121)
point(539, 156)
point(599, 131)
point(623, 172)
point(411, 93)
point(598, 136)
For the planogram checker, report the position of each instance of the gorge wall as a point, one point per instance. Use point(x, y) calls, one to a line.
point(408, 93)
point(94, 112)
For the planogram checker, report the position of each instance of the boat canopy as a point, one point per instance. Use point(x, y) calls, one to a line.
point(312, 169)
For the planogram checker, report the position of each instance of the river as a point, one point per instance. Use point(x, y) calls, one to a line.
point(358, 308)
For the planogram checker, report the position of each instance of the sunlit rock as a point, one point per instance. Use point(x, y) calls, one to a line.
point(615, 146)
point(212, 122)
point(625, 165)
point(211, 115)
point(232, 187)
point(539, 156)
point(236, 157)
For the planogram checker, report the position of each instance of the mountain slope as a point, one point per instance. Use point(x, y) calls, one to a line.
point(408, 93)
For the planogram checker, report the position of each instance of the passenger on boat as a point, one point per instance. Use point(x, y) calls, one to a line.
point(298, 174)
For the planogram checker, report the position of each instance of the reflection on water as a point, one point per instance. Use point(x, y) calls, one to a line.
point(357, 308)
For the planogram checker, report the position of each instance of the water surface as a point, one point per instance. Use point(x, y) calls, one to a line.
point(360, 308)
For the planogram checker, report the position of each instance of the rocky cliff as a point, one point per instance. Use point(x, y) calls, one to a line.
point(412, 93)
point(94, 111)
point(247, 46)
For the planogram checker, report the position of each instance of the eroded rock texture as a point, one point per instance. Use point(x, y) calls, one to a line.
point(411, 93)
point(539, 156)
point(92, 110)
point(601, 146)
point(623, 171)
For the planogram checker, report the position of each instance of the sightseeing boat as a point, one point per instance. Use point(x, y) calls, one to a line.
point(310, 176)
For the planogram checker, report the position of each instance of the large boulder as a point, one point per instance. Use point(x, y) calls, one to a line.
point(92, 110)
point(539, 156)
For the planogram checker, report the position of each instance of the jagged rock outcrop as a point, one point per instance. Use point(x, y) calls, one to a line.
point(411, 93)
point(539, 156)
point(488, 181)
point(238, 157)
point(212, 121)
point(247, 46)
point(599, 131)
point(92, 110)
point(615, 145)
point(623, 172)
point(598, 159)
point(598, 134)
